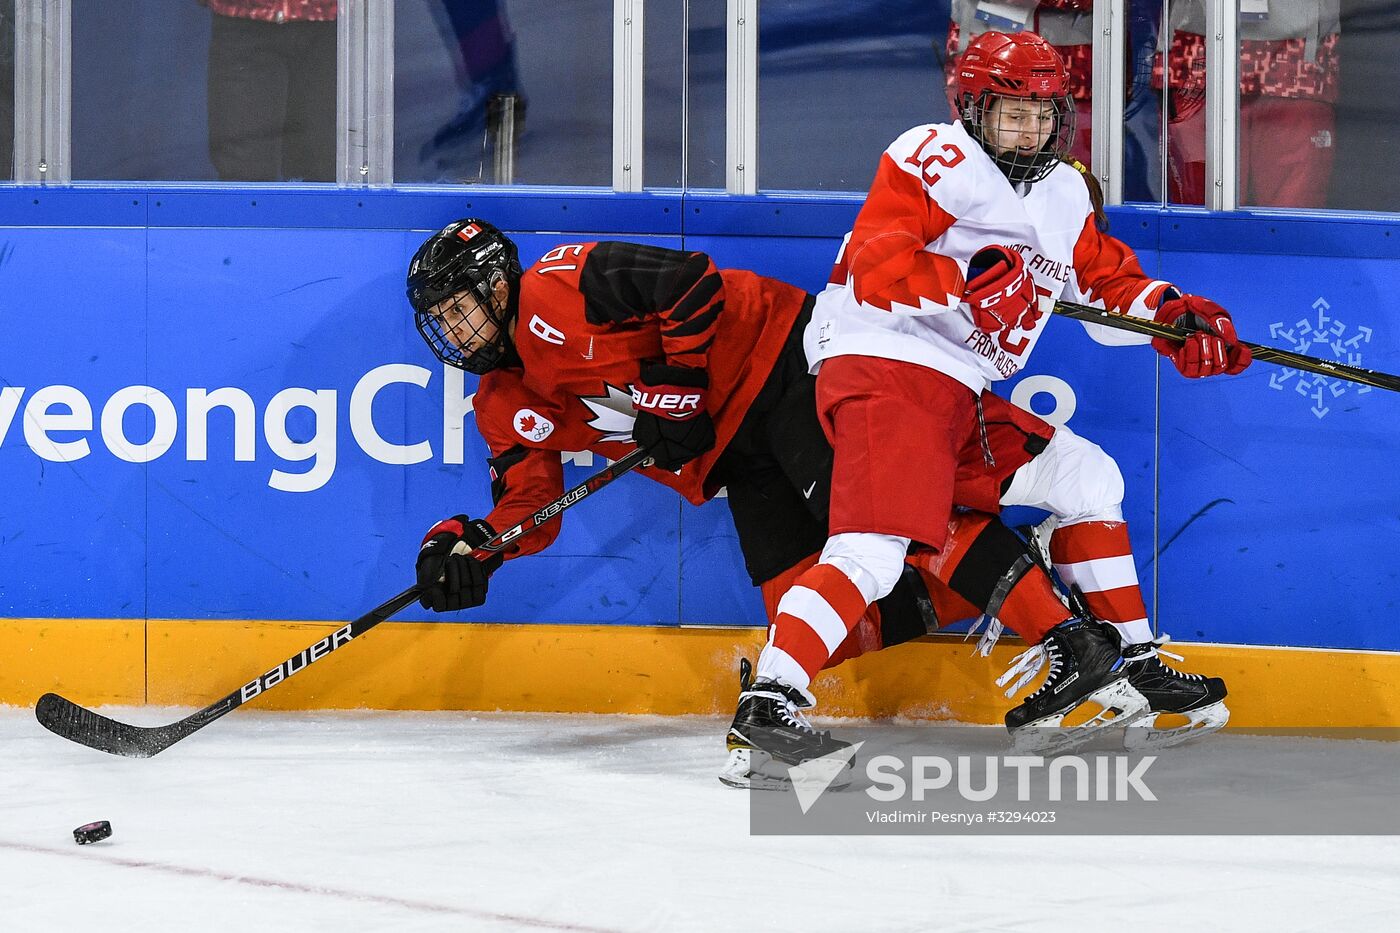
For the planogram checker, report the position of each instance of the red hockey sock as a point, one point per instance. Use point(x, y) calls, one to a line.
point(811, 621)
point(1097, 558)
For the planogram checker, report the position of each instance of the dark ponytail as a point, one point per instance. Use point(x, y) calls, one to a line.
point(1095, 191)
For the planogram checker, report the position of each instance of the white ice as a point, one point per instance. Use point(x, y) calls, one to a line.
point(405, 822)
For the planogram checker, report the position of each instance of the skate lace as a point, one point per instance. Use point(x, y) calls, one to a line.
point(989, 637)
point(792, 716)
point(1028, 663)
point(1158, 652)
point(789, 713)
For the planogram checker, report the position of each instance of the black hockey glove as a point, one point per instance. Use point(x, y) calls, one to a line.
point(450, 577)
point(672, 423)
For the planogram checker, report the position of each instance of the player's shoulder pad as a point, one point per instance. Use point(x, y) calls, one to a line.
point(944, 159)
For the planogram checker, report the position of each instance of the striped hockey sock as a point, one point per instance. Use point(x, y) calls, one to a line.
point(813, 618)
point(1097, 558)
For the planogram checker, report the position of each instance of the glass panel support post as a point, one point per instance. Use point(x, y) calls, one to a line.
point(43, 92)
point(364, 116)
point(1107, 93)
point(1222, 104)
point(629, 33)
point(741, 97)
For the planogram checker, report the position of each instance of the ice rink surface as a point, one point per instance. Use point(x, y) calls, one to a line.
point(406, 822)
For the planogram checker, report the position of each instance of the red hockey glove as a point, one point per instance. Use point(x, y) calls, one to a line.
point(1213, 347)
point(672, 422)
point(451, 578)
point(1000, 291)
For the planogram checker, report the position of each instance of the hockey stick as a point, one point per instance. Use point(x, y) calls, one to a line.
point(1310, 364)
point(78, 724)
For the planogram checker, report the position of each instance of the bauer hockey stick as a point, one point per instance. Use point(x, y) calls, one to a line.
point(78, 724)
point(1310, 364)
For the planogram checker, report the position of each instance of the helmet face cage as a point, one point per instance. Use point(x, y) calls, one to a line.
point(1016, 164)
point(452, 282)
point(997, 68)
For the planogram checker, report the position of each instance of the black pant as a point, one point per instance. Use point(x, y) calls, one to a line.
point(272, 100)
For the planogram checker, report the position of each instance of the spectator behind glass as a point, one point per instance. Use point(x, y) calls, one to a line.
point(483, 50)
point(1288, 91)
point(1068, 25)
point(272, 70)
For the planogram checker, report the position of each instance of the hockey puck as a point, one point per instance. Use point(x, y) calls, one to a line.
point(92, 832)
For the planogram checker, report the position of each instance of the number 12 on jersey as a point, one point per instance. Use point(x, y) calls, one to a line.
point(948, 156)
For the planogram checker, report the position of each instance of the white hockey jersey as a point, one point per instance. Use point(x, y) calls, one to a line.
point(938, 198)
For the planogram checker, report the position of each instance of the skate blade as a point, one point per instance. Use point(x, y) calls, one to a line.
point(755, 769)
point(1144, 735)
point(1121, 704)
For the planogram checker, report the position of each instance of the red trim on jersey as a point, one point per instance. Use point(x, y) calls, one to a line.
point(886, 255)
point(1108, 270)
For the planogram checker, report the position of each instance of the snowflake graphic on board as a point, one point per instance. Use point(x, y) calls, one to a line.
point(1325, 337)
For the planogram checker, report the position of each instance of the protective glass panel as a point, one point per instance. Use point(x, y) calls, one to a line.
point(1143, 103)
point(1183, 80)
point(231, 90)
point(663, 90)
point(1289, 82)
point(1366, 108)
point(705, 99)
point(7, 89)
point(503, 91)
point(839, 81)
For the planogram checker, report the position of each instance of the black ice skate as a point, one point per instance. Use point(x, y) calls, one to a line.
point(770, 737)
point(1197, 698)
point(1084, 667)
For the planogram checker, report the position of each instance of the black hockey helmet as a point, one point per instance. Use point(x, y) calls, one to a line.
point(452, 282)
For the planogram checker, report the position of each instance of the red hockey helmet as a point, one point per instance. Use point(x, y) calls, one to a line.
point(1025, 68)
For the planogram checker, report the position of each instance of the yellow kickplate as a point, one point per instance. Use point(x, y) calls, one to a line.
point(90, 661)
point(615, 669)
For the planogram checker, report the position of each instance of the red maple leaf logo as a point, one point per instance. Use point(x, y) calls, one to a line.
point(527, 424)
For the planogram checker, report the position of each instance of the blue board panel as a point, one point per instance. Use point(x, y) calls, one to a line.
point(802, 261)
point(1280, 504)
point(291, 323)
point(73, 515)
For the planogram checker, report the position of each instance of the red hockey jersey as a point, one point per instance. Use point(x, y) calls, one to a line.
point(589, 315)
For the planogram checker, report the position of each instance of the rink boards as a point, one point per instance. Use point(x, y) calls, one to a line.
point(215, 409)
point(615, 669)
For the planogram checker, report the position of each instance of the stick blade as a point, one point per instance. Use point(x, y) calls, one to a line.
point(77, 724)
